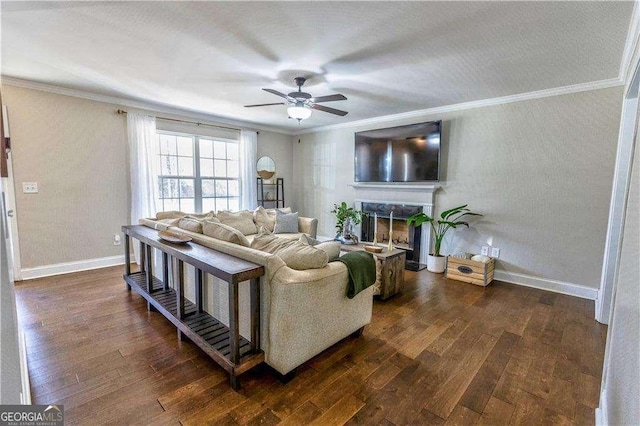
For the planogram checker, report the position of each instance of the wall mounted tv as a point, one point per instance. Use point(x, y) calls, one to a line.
point(399, 154)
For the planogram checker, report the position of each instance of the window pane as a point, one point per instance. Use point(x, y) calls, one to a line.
point(234, 188)
point(206, 148)
point(219, 149)
point(185, 146)
point(221, 204)
point(206, 168)
point(171, 188)
point(208, 204)
point(234, 204)
point(169, 165)
point(220, 168)
point(163, 189)
point(221, 188)
point(188, 205)
point(232, 151)
point(186, 188)
point(185, 166)
point(171, 204)
point(208, 188)
point(233, 169)
point(168, 145)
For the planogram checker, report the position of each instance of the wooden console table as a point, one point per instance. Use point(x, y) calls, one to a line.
point(389, 268)
point(223, 344)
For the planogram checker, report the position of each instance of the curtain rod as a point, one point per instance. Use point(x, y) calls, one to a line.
point(121, 111)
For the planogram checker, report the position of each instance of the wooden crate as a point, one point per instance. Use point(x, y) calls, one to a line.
point(469, 271)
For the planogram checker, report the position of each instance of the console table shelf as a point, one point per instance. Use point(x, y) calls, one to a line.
point(223, 344)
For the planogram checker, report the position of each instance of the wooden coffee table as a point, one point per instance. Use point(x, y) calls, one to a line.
point(389, 269)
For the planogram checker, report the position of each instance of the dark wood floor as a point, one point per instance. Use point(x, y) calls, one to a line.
point(443, 352)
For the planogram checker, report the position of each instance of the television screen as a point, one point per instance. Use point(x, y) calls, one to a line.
point(399, 154)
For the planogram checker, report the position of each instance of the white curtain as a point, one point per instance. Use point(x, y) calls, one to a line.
point(248, 175)
point(143, 165)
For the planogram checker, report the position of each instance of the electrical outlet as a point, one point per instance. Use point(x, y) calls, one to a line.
point(495, 252)
point(116, 240)
point(485, 250)
point(29, 187)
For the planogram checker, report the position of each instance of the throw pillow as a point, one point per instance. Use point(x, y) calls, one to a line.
point(262, 218)
point(293, 253)
point(304, 238)
point(272, 212)
point(220, 231)
point(331, 248)
point(286, 223)
point(242, 221)
point(203, 216)
point(173, 214)
point(190, 224)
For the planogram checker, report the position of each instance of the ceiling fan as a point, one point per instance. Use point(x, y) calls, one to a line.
point(301, 103)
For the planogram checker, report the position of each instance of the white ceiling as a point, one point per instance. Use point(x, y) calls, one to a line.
point(386, 57)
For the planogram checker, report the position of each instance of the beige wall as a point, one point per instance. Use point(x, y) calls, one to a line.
point(540, 171)
point(279, 147)
point(75, 149)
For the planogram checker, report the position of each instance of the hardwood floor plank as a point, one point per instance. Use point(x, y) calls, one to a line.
point(481, 388)
point(496, 412)
point(339, 413)
point(440, 352)
point(462, 416)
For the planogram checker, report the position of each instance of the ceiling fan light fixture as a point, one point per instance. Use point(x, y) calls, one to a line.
point(299, 112)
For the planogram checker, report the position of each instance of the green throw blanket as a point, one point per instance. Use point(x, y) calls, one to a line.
point(362, 271)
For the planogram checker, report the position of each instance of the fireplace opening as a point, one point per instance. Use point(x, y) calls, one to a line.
point(404, 237)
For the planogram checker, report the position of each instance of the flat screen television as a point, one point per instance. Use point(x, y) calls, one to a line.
point(399, 154)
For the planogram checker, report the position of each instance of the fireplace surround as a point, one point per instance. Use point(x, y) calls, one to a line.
point(404, 200)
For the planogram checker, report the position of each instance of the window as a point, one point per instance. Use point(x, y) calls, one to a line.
point(198, 173)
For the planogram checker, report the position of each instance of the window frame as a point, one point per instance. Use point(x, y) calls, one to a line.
point(197, 177)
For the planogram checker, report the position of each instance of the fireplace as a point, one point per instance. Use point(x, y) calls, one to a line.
point(404, 200)
point(408, 238)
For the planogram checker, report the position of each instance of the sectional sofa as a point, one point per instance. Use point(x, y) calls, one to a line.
point(303, 312)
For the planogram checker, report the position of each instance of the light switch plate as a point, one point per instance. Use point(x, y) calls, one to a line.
point(485, 251)
point(29, 187)
point(495, 252)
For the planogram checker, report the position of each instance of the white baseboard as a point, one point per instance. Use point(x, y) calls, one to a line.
point(547, 284)
point(68, 267)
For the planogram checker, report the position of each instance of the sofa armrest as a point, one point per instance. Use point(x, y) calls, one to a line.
point(308, 225)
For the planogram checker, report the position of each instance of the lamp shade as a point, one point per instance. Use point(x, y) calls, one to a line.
point(299, 112)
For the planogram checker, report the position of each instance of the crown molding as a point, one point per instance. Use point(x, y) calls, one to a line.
point(162, 108)
point(144, 105)
point(557, 91)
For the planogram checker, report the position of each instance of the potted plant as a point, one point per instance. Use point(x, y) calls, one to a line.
point(448, 219)
point(346, 215)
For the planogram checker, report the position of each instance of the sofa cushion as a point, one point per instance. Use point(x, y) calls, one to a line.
point(331, 248)
point(295, 254)
point(286, 223)
point(262, 218)
point(173, 214)
point(242, 221)
point(220, 231)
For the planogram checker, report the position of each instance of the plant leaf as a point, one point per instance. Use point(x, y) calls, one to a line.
point(454, 210)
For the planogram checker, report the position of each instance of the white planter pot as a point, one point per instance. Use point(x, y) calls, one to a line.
point(436, 263)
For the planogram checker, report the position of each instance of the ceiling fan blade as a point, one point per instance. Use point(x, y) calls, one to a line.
point(330, 110)
point(261, 105)
point(275, 92)
point(330, 98)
